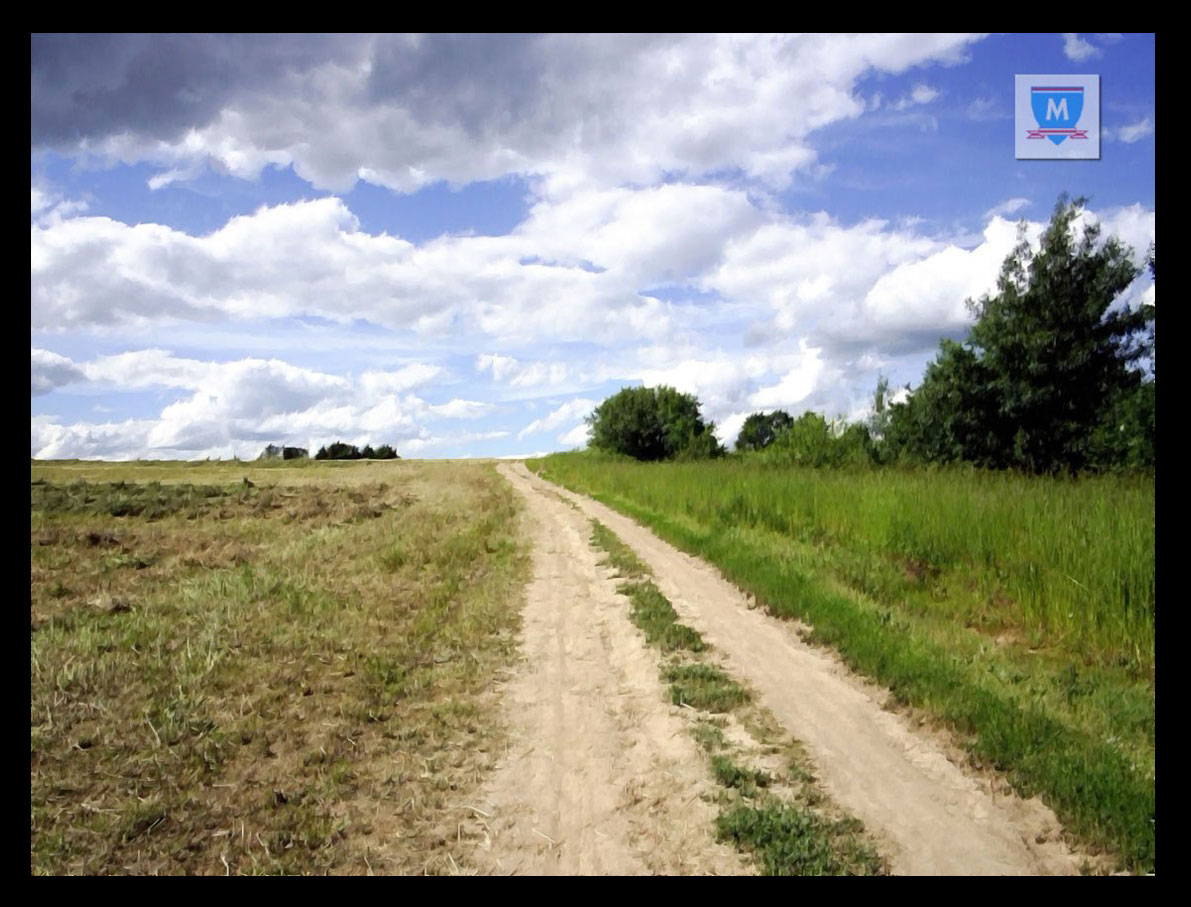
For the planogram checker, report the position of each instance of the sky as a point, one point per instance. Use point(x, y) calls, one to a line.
point(460, 245)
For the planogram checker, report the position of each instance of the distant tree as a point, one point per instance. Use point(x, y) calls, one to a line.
point(385, 452)
point(338, 451)
point(652, 423)
point(1047, 373)
point(367, 453)
point(760, 429)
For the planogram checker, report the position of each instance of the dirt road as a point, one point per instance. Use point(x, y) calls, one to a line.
point(601, 777)
point(604, 781)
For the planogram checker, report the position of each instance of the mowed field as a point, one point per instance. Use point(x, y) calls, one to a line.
point(264, 668)
point(1015, 614)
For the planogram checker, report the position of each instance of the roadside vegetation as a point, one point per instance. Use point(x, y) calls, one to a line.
point(983, 544)
point(279, 667)
point(1056, 376)
point(770, 803)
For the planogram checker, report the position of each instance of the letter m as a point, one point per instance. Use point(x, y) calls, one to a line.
point(1056, 111)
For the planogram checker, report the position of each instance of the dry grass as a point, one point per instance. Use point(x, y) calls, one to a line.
point(287, 676)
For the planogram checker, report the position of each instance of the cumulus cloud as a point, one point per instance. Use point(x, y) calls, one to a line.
point(311, 258)
point(819, 293)
point(238, 406)
point(402, 111)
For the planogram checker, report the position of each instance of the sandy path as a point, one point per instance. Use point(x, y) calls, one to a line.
point(601, 776)
point(928, 816)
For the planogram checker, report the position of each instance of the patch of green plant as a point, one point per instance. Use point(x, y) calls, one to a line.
point(792, 841)
point(745, 780)
point(709, 736)
point(655, 616)
point(705, 687)
point(619, 555)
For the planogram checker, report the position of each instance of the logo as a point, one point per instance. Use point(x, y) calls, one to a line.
point(1057, 111)
point(1058, 116)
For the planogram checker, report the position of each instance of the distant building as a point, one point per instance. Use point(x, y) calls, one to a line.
point(273, 452)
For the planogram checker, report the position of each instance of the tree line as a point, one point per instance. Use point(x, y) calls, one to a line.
point(342, 451)
point(1056, 374)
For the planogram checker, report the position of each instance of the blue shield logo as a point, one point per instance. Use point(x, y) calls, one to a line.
point(1057, 110)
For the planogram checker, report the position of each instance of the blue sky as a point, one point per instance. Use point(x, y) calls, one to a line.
point(460, 244)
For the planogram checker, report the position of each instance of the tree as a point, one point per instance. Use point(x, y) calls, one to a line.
point(760, 429)
point(652, 423)
point(1047, 368)
point(338, 451)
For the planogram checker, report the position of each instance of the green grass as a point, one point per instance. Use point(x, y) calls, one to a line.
point(728, 773)
point(705, 687)
point(1018, 610)
point(649, 609)
point(790, 840)
point(655, 616)
point(287, 676)
point(617, 554)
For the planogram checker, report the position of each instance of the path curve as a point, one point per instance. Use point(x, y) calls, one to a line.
point(928, 816)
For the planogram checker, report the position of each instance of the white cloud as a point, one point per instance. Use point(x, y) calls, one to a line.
point(1077, 49)
point(1135, 132)
point(924, 94)
point(920, 94)
point(577, 436)
point(238, 406)
point(1007, 208)
point(48, 207)
point(570, 411)
point(406, 378)
point(797, 384)
point(507, 370)
point(574, 270)
point(461, 409)
point(821, 302)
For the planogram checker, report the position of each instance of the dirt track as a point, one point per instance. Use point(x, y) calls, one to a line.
point(604, 780)
point(602, 777)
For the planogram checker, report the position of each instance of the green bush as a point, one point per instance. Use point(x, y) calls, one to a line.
point(653, 423)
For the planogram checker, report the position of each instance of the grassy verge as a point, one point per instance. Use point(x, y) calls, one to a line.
point(777, 813)
point(1064, 707)
point(244, 668)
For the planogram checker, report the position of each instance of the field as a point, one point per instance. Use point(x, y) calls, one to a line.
point(1016, 613)
point(264, 668)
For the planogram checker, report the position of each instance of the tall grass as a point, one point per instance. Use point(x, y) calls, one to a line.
point(1073, 557)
